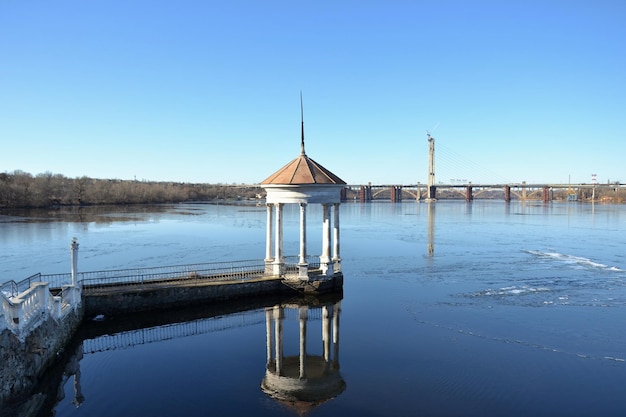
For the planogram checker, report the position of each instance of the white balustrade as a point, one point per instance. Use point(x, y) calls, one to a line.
point(32, 307)
point(23, 312)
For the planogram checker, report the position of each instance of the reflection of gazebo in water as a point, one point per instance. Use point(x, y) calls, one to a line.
point(304, 381)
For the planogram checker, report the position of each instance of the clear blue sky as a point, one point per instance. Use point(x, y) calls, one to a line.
point(208, 91)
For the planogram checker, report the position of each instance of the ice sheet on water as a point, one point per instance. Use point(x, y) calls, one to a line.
point(509, 291)
point(590, 296)
point(556, 279)
point(574, 261)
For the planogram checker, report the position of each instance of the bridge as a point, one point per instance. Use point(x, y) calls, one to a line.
point(507, 192)
point(463, 189)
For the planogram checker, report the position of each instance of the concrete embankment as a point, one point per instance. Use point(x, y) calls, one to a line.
point(123, 300)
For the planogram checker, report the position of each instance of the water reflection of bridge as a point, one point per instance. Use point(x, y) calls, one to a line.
point(131, 338)
point(128, 339)
point(469, 191)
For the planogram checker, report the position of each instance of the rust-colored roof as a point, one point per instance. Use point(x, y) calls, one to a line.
point(303, 170)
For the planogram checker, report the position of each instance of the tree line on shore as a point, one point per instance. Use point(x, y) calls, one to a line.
point(21, 189)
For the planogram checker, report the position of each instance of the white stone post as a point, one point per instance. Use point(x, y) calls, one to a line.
point(325, 257)
point(303, 266)
point(44, 298)
point(278, 252)
point(18, 315)
point(74, 260)
point(55, 306)
point(336, 255)
point(268, 240)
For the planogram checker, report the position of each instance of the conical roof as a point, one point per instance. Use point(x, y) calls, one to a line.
point(302, 171)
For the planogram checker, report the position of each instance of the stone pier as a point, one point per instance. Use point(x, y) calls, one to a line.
point(37, 323)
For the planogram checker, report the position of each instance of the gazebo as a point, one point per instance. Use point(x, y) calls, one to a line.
point(303, 181)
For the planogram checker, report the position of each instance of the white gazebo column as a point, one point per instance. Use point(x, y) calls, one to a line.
point(278, 252)
point(303, 266)
point(336, 256)
point(268, 241)
point(325, 257)
point(303, 320)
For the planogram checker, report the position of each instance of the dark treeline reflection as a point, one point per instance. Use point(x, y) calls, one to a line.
point(105, 214)
point(21, 189)
point(85, 214)
point(298, 380)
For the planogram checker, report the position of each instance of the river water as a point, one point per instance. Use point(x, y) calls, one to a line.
point(448, 309)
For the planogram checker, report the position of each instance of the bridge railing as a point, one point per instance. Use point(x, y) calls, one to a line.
point(9, 289)
point(12, 288)
point(127, 339)
point(20, 302)
point(32, 299)
point(188, 274)
point(172, 274)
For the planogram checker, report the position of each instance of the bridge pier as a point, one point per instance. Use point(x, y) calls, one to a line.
point(396, 193)
point(365, 193)
point(432, 193)
point(507, 193)
point(468, 193)
point(546, 194)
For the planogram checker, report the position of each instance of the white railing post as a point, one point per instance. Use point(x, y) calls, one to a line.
point(14, 315)
point(17, 316)
point(5, 321)
point(74, 259)
point(44, 296)
point(70, 297)
point(55, 307)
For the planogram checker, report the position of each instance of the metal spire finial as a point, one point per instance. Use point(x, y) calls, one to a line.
point(302, 118)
